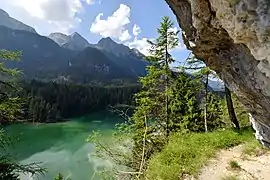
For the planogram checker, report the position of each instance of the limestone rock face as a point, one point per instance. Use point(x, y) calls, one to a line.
point(233, 38)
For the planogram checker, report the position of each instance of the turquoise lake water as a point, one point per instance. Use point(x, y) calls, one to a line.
point(61, 147)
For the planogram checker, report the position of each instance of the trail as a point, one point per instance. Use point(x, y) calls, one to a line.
point(251, 167)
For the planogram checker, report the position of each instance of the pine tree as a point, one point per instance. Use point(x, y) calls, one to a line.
point(160, 56)
point(202, 72)
point(185, 107)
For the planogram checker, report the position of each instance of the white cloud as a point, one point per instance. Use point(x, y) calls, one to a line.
point(90, 2)
point(141, 44)
point(46, 15)
point(125, 36)
point(114, 25)
point(180, 46)
point(136, 30)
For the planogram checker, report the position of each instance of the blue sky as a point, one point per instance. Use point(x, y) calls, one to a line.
point(83, 16)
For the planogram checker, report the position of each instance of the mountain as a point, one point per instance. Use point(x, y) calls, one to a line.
point(62, 58)
point(42, 58)
point(59, 38)
point(92, 64)
point(216, 85)
point(7, 21)
point(123, 55)
point(118, 53)
point(73, 42)
point(109, 45)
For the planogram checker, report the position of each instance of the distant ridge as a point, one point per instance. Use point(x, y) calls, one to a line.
point(7, 21)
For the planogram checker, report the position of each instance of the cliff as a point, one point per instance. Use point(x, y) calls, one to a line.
point(233, 38)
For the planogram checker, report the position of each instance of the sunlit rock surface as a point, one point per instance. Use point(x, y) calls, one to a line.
point(233, 38)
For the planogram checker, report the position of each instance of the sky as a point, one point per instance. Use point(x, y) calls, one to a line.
point(130, 22)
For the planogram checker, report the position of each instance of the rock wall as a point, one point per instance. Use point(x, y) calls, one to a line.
point(233, 38)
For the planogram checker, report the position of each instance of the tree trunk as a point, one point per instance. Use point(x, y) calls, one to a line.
point(166, 89)
point(167, 113)
point(230, 107)
point(206, 103)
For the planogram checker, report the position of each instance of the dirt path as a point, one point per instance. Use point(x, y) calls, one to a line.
point(250, 167)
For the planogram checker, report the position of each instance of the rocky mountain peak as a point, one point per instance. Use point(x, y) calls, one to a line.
point(111, 46)
point(73, 41)
point(78, 38)
point(106, 41)
point(59, 38)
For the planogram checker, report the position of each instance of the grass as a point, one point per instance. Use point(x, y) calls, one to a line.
point(186, 154)
point(234, 165)
point(253, 148)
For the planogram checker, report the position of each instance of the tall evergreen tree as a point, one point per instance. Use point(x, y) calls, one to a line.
point(167, 40)
point(202, 72)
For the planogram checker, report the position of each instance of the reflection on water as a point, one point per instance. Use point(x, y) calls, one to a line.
point(61, 147)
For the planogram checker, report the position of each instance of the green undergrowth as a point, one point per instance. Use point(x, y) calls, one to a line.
point(186, 154)
point(253, 148)
point(234, 165)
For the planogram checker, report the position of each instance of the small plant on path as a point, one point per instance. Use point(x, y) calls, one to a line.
point(234, 165)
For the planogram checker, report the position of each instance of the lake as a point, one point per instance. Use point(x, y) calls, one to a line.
point(61, 147)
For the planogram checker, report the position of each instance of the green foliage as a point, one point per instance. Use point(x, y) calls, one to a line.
point(158, 110)
point(168, 102)
point(117, 152)
point(241, 113)
point(61, 177)
point(184, 108)
point(253, 148)
point(215, 112)
point(50, 101)
point(234, 165)
point(187, 153)
point(9, 105)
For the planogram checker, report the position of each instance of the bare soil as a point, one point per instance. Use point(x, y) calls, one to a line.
point(251, 166)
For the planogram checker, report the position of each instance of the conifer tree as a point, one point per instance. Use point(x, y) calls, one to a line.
point(203, 72)
point(160, 56)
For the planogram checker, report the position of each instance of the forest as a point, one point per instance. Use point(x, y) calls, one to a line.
point(51, 102)
point(164, 103)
